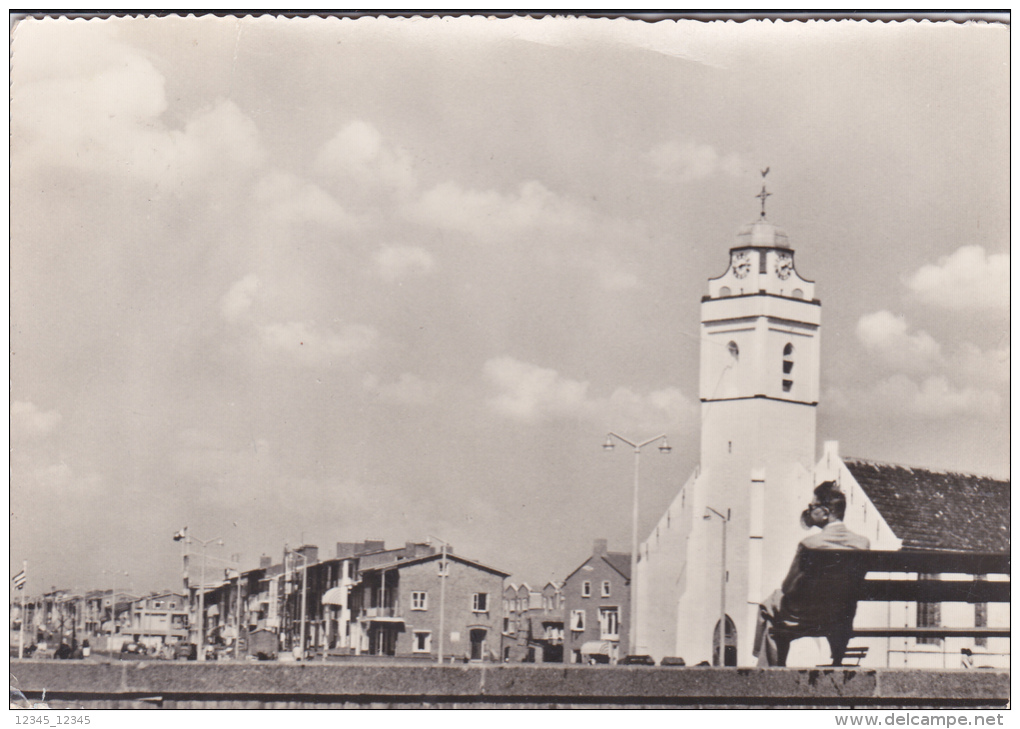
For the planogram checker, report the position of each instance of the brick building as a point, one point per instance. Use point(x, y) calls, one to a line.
point(401, 608)
point(596, 608)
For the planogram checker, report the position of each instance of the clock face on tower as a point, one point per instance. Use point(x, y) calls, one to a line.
point(784, 265)
point(741, 264)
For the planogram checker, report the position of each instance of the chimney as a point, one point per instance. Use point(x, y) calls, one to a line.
point(371, 545)
point(265, 561)
point(601, 548)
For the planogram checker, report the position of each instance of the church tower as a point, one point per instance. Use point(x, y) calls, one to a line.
point(726, 541)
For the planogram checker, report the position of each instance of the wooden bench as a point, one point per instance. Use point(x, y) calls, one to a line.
point(857, 567)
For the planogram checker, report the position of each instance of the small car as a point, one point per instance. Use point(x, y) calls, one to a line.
point(637, 661)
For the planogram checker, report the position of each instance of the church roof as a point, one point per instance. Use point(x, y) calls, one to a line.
point(937, 509)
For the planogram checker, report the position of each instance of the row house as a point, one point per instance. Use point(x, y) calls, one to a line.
point(160, 618)
point(533, 624)
point(367, 600)
point(596, 608)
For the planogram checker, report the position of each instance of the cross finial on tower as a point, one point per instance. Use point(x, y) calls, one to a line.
point(764, 193)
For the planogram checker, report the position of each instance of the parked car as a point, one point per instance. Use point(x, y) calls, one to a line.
point(672, 661)
point(637, 661)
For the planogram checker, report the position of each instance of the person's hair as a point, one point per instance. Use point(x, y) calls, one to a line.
point(829, 496)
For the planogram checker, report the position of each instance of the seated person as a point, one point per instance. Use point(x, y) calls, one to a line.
point(813, 602)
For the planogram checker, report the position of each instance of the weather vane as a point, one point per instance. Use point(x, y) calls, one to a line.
point(764, 193)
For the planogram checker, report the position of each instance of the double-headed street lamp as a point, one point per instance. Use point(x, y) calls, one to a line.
point(664, 448)
point(721, 655)
point(188, 539)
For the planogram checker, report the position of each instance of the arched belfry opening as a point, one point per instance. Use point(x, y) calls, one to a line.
point(729, 652)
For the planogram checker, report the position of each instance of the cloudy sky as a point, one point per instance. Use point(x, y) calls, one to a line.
point(335, 280)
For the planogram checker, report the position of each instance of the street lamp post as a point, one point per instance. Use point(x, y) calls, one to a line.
point(113, 598)
point(188, 539)
point(721, 655)
point(442, 597)
point(664, 448)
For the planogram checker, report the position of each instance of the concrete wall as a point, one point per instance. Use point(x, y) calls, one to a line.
point(293, 686)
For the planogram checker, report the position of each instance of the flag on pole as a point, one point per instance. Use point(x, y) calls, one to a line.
point(20, 579)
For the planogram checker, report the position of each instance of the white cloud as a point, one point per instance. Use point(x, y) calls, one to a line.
point(289, 200)
point(316, 346)
point(530, 393)
point(689, 161)
point(27, 419)
point(109, 120)
point(934, 397)
point(409, 389)
point(967, 279)
point(394, 263)
point(238, 300)
point(486, 212)
point(885, 335)
point(610, 273)
point(359, 153)
point(532, 211)
point(976, 365)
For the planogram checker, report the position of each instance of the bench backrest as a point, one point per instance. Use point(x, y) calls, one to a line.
point(828, 566)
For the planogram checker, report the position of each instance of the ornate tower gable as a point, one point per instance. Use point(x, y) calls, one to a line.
point(760, 324)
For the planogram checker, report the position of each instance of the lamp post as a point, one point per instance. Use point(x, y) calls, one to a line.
point(442, 596)
point(188, 539)
point(720, 657)
point(113, 598)
point(664, 448)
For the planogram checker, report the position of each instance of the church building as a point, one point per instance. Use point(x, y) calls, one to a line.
point(727, 539)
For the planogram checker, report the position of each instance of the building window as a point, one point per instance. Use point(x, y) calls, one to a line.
point(577, 620)
point(798, 294)
point(609, 623)
point(586, 589)
point(422, 641)
point(480, 602)
point(725, 291)
point(605, 588)
point(734, 350)
point(419, 601)
point(929, 615)
point(787, 366)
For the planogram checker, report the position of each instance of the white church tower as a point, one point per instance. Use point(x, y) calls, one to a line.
point(759, 392)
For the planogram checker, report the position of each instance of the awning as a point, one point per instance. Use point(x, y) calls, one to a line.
point(597, 648)
point(335, 596)
point(212, 611)
point(385, 620)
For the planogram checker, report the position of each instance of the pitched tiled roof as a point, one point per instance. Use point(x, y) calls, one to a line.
point(620, 562)
point(937, 510)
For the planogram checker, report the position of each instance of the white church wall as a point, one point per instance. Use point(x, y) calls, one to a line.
point(661, 576)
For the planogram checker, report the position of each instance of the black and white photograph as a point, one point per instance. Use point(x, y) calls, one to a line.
point(496, 360)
